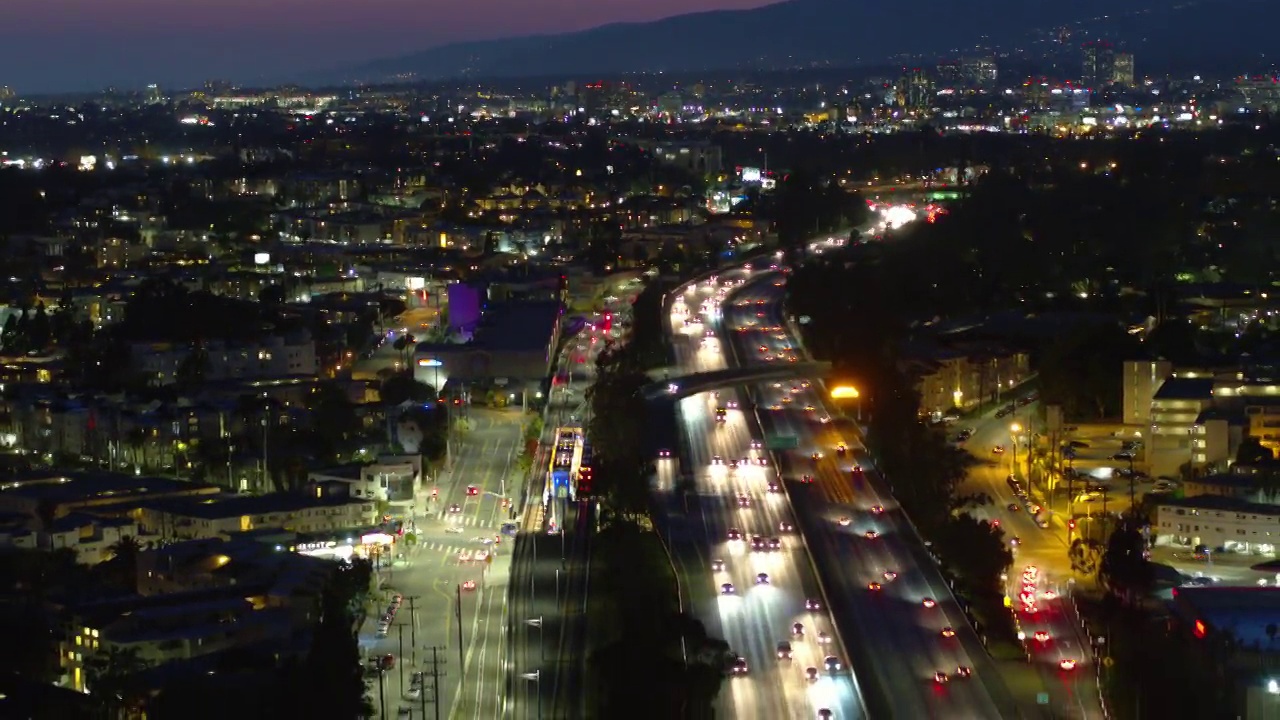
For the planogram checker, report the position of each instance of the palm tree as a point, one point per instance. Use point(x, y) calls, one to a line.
point(404, 345)
point(109, 677)
point(124, 558)
point(137, 440)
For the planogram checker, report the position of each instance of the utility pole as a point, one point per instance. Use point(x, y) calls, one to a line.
point(413, 630)
point(436, 674)
point(462, 663)
point(382, 692)
point(401, 663)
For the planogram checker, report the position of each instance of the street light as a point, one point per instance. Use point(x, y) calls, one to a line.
point(537, 622)
point(1014, 429)
point(848, 392)
point(535, 677)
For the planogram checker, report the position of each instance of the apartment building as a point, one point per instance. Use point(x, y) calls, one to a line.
point(225, 515)
point(1198, 417)
point(390, 479)
point(1220, 523)
point(272, 356)
point(197, 600)
point(948, 378)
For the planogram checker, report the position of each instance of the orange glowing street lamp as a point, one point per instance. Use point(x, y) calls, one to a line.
point(848, 392)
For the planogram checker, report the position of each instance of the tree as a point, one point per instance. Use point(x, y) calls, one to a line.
point(111, 677)
point(402, 387)
point(39, 332)
point(1124, 570)
point(1252, 451)
point(1079, 370)
point(194, 368)
point(331, 673)
point(123, 566)
point(333, 417)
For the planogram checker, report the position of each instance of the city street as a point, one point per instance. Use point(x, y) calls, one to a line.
point(1053, 632)
point(415, 321)
point(448, 553)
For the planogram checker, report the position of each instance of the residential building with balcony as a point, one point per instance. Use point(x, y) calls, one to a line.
point(1219, 522)
point(274, 356)
point(224, 515)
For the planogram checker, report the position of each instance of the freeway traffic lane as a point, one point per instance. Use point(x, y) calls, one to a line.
point(898, 551)
point(754, 614)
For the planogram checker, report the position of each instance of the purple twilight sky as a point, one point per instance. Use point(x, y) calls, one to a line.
point(68, 45)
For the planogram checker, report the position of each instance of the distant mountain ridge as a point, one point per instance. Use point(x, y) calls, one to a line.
point(799, 33)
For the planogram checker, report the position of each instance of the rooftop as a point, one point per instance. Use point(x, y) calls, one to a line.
point(1185, 389)
point(83, 486)
point(228, 505)
point(1221, 502)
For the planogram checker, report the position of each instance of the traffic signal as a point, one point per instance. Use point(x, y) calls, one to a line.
point(584, 482)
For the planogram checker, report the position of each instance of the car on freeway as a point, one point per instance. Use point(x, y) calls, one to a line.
point(1042, 636)
point(734, 534)
point(812, 605)
point(841, 448)
point(844, 521)
point(797, 629)
point(738, 666)
point(717, 460)
point(472, 491)
point(455, 509)
point(941, 678)
point(824, 638)
point(806, 479)
point(664, 453)
point(871, 535)
point(757, 542)
point(774, 487)
point(874, 586)
point(832, 664)
point(997, 450)
point(890, 576)
point(877, 509)
point(469, 585)
point(775, 543)
point(1067, 664)
point(728, 589)
point(964, 671)
point(762, 578)
point(811, 674)
point(717, 565)
point(744, 501)
point(784, 650)
point(785, 526)
point(947, 632)
point(929, 603)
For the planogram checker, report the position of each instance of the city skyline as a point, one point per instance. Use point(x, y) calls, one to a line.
point(87, 46)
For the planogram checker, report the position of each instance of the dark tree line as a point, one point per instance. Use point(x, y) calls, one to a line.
point(652, 633)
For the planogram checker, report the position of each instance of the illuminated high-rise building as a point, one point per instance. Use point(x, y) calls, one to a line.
point(980, 70)
point(1098, 67)
point(1122, 69)
point(6, 93)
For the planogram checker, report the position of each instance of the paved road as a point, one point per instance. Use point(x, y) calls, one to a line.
point(547, 671)
point(754, 617)
point(899, 641)
point(443, 560)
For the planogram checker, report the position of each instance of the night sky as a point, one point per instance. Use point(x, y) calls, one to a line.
point(74, 45)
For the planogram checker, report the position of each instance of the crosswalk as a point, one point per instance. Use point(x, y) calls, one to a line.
point(470, 521)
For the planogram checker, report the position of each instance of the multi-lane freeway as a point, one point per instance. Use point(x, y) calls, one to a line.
point(732, 533)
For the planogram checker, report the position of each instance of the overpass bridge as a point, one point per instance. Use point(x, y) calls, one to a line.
point(672, 383)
